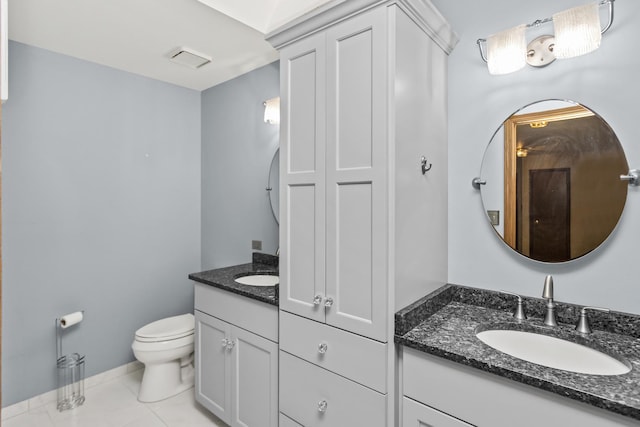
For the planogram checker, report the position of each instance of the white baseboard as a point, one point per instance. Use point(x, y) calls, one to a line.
point(51, 396)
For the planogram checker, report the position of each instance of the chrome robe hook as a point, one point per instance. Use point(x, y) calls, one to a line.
point(424, 167)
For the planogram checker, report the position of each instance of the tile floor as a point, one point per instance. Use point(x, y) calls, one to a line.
point(113, 403)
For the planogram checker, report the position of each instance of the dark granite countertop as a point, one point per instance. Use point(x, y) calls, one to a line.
point(445, 322)
point(223, 278)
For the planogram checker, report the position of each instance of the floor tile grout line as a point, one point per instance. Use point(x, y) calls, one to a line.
point(159, 417)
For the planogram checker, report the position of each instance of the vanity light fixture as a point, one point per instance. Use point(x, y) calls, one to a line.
point(577, 32)
point(505, 50)
point(272, 111)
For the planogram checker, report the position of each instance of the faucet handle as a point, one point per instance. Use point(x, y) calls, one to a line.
point(519, 314)
point(547, 291)
point(583, 323)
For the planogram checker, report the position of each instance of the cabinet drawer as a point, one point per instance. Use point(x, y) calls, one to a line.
point(305, 387)
point(415, 414)
point(357, 358)
point(235, 309)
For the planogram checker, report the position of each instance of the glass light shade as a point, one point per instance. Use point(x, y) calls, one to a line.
point(507, 50)
point(272, 110)
point(577, 31)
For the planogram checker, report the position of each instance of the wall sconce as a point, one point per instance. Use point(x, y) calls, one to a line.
point(272, 111)
point(577, 32)
point(522, 152)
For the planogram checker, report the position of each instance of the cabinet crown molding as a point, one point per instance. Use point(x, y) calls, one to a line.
point(424, 14)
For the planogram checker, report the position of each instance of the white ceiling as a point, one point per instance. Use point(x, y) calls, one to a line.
point(138, 36)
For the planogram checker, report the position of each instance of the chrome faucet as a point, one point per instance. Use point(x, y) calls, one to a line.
point(547, 293)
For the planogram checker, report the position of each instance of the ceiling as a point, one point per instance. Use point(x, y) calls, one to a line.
point(139, 36)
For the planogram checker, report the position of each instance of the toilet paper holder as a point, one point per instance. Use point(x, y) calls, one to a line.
point(70, 367)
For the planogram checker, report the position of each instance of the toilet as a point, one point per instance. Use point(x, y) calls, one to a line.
point(166, 349)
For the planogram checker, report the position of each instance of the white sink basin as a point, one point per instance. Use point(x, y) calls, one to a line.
point(258, 280)
point(553, 352)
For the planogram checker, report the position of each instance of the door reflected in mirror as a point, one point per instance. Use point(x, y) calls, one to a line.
point(553, 169)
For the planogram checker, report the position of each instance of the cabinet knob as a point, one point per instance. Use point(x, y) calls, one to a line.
point(225, 342)
point(322, 348)
point(322, 406)
point(328, 302)
point(230, 344)
point(317, 300)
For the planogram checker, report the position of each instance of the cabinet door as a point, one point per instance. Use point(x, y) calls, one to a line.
point(415, 414)
point(357, 174)
point(213, 366)
point(302, 177)
point(255, 380)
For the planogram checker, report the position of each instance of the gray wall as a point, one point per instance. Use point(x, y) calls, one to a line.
point(237, 148)
point(605, 81)
point(101, 211)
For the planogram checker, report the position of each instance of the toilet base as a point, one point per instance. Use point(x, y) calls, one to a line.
point(161, 381)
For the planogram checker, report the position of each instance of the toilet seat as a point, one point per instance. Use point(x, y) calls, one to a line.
point(171, 328)
point(162, 346)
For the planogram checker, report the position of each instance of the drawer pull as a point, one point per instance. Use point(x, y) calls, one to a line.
point(317, 300)
point(322, 406)
point(322, 348)
point(328, 302)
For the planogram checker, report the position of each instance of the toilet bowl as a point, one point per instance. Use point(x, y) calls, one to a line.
point(165, 347)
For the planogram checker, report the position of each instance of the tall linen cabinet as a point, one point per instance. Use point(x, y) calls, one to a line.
point(363, 230)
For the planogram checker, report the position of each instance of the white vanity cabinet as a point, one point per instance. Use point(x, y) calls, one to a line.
point(363, 230)
point(236, 357)
point(445, 394)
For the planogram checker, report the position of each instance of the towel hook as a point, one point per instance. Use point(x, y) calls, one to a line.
point(423, 165)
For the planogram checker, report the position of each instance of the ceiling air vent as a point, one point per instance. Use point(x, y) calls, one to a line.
point(189, 57)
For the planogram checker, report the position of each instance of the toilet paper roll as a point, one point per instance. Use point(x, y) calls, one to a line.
point(70, 319)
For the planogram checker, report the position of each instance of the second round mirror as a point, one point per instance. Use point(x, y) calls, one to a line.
point(552, 181)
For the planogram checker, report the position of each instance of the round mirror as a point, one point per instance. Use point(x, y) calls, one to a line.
point(273, 186)
point(551, 181)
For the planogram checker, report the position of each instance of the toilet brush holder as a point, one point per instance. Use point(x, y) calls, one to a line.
point(70, 368)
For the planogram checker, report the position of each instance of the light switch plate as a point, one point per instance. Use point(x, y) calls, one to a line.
point(494, 217)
